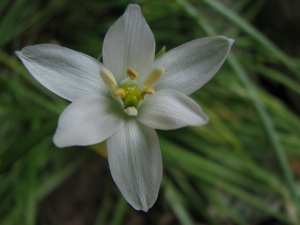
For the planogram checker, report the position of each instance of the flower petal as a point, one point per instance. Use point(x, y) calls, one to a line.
point(189, 66)
point(65, 72)
point(135, 162)
point(88, 120)
point(169, 109)
point(129, 43)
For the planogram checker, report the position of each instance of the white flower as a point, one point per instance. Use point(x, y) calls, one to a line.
point(133, 95)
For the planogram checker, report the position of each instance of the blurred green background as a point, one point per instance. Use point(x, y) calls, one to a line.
point(241, 168)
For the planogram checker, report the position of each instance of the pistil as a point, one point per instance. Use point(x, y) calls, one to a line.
point(132, 96)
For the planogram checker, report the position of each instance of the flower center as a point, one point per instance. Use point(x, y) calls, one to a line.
point(132, 96)
point(128, 90)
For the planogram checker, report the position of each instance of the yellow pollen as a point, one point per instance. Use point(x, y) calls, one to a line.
point(132, 74)
point(108, 79)
point(118, 92)
point(147, 91)
point(154, 76)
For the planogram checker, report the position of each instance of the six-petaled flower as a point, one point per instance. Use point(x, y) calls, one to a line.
point(127, 96)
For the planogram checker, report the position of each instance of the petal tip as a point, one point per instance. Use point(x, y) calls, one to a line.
point(59, 141)
point(206, 120)
point(145, 209)
point(56, 141)
point(142, 208)
point(18, 53)
point(202, 120)
point(231, 41)
point(133, 7)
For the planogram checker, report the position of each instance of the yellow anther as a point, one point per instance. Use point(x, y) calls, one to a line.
point(119, 92)
point(131, 111)
point(132, 74)
point(147, 91)
point(154, 76)
point(108, 79)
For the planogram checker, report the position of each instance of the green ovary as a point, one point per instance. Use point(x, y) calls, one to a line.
point(132, 96)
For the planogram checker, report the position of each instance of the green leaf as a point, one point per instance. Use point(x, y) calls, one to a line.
point(161, 52)
point(25, 144)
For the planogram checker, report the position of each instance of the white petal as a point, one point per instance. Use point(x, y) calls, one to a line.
point(65, 72)
point(191, 65)
point(169, 109)
point(88, 120)
point(129, 43)
point(135, 162)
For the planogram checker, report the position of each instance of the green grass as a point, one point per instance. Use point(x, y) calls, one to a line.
point(235, 169)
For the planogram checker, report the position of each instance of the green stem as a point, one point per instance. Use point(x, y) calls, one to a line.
point(254, 33)
point(250, 87)
point(268, 124)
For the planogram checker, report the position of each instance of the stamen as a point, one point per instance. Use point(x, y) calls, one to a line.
point(131, 111)
point(155, 76)
point(147, 91)
point(132, 74)
point(119, 92)
point(108, 79)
